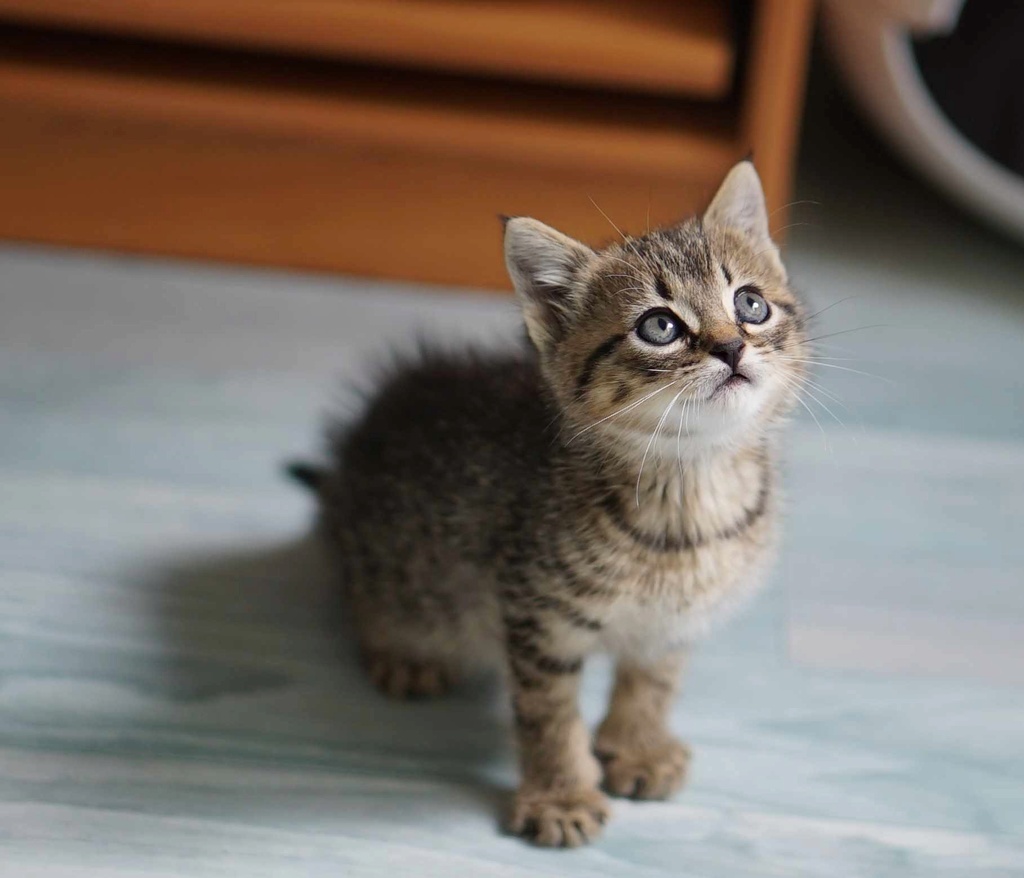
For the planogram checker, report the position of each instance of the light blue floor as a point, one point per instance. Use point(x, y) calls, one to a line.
point(175, 698)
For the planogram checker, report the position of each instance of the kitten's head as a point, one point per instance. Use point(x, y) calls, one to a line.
point(692, 326)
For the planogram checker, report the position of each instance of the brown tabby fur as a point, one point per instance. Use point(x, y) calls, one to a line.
point(596, 493)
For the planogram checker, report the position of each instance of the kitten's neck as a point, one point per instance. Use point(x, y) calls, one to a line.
point(671, 490)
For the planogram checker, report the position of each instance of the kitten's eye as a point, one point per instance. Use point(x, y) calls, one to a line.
point(659, 327)
point(751, 306)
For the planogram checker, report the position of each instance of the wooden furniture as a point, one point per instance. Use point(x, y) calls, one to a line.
point(383, 137)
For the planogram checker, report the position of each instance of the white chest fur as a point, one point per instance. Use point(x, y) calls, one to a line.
point(669, 600)
point(686, 550)
point(648, 627)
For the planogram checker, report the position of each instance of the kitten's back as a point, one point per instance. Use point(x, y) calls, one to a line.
point(422, 489)
point(446, 414)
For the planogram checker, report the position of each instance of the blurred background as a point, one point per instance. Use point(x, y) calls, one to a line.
point(217, 215)
point(322, 134)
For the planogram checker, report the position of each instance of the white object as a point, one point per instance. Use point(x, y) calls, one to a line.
point(870, 40)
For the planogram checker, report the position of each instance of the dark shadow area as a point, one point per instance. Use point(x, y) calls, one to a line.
point(255, 665)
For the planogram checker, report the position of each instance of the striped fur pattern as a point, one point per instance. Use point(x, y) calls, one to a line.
point(596, 492)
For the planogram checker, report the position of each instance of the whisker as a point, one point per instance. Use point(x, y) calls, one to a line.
point(679, 438)
point(828, 447)
point(847, 331)
point(793, 204)
point(814, 358)
point(841, 369)
point(650, 442)
point(790, 226)
point(805, 381)
point(828, 394)
point(832, 414)
point(684, 417)
point(617, 229)
point(624, 409)
point(802, 344)
point(799, 399)
point(821, 311)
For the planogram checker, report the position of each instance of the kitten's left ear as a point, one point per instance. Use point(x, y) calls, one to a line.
point(543, 264)
point(739, 204)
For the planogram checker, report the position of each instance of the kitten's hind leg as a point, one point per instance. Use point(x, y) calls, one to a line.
point(407, 643)
point(421, 625)
point(402, 677)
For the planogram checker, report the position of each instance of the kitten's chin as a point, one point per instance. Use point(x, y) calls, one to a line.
point(731, 415)
point(694, 430)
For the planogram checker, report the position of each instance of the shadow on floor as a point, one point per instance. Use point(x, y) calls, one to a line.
point(256, 663)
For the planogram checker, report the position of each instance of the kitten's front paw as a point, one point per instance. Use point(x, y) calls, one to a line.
point(561, 818)
point(650, 771)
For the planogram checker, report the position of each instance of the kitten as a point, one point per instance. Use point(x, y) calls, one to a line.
point(613, 489)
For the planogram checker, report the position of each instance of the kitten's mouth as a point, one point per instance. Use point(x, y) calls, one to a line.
point(733, 382)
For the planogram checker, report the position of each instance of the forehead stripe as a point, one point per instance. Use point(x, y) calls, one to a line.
point(601, 352)
point(662, 288)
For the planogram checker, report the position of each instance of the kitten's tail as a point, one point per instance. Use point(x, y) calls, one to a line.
point(307, 474)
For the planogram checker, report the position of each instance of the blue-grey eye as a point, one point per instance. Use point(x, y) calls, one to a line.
point(659, 327)
point(751, 306)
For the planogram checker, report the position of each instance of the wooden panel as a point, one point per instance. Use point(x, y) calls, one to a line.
point(438, 115)
point(775, 95)
point(133, 145)
point(667, 45)
point(137, 186)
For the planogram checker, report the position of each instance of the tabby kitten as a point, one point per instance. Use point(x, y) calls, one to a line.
point(613, 489)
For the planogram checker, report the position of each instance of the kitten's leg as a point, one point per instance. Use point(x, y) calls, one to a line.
point(558, 803)
point(412, 637)
point(640, 756)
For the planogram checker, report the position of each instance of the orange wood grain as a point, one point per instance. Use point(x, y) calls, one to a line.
point(655, 45)
point(428, 115)
point(282, 160)
point(148, 187)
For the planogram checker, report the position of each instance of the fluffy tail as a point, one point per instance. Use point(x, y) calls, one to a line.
point(306, 474)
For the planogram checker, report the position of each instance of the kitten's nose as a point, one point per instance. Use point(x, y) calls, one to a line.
point(729, 352)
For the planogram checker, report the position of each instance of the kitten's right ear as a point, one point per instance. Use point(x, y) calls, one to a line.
point(543, 264)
